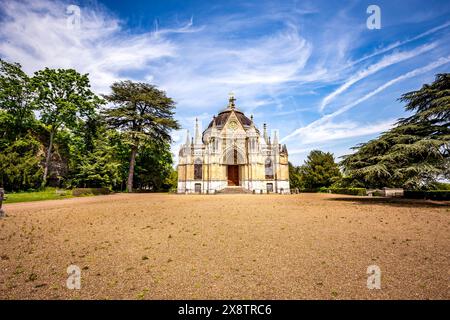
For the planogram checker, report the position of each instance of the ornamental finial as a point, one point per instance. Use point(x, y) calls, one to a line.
point(231, 100)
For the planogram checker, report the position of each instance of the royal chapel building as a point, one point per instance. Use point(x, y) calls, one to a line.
point(232, 155)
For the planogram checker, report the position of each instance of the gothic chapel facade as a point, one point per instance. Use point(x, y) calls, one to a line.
point(232, 154)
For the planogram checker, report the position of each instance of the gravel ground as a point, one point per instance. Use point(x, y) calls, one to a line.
point(160, 246)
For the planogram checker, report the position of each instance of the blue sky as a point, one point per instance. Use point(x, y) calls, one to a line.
point(311, 69)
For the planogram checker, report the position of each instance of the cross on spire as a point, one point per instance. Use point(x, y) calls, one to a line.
point(231, 100)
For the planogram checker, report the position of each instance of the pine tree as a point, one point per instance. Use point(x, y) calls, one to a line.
point(319, 170)
point(413, 154)
point(142, 112)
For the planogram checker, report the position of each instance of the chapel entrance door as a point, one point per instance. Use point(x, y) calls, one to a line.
point(233, 175)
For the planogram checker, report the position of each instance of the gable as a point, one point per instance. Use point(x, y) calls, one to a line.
point(233, 126)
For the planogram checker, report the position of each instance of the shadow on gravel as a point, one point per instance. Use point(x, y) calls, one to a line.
point(396, 202)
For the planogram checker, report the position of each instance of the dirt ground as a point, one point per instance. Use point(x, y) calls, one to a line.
point(161, 246)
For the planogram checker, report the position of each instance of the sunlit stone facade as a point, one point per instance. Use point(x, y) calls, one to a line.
point(232, 153)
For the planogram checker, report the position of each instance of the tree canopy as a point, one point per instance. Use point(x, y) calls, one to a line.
point(16, 100)
point(53, 132)
point(319, 170)
point(141, 112)
point(63, 96)
point(415, 152)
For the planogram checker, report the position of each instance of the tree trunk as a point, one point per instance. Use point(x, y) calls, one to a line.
point(131, 170)
point(47, 159)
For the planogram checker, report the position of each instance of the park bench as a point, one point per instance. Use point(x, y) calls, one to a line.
point(2, 197)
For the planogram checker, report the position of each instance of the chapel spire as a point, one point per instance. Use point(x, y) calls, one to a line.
point(265, 133)
point(188, 139)
point(198, 137)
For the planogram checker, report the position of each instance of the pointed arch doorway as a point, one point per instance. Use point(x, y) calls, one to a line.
point(233, 158)
point(233, 175)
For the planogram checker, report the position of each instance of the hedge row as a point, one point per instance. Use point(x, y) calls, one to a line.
point(431, 195)
point(89, 191)
point(349, 191)
point(308, 190)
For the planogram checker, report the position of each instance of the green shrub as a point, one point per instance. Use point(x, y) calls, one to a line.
point(431, 195)
point(378, 193)
point(78, 192)
point(350, 191)
point(442, 186)
point(308, 190)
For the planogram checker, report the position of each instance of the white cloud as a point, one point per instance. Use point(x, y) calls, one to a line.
point(35, 33)
point(254, 69)
point(196, 65)
point(313, 125)
point(331, 131)
point(385, 62)
point(401, 43)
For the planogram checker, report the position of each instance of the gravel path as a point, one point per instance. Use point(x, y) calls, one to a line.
point(160, 246)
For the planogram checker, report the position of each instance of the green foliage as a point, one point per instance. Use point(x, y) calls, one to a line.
point(143, 113)
point(98, 168)
point(171, 181)
point(153, 166)
point(441, 186)
point(16, 96)
point(336, 190)
point(350, 191)
point(63, 97)
point(415, 153)
point(315, 190)
point(80, 192)
point(20, 164)
point(295, 177)
point(431, 195)
point(319, 170)
point(70, 143)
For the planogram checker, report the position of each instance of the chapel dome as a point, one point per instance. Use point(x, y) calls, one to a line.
point(223, 116)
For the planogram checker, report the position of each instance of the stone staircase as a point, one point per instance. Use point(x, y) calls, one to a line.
point(233, 190)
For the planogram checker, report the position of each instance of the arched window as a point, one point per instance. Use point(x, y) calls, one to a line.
point(251, 144)
point(269, 168)
point(198, 168)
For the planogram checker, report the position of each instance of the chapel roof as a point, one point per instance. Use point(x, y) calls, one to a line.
point(223, 116)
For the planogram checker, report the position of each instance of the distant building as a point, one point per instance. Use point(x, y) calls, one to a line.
point(232, 154)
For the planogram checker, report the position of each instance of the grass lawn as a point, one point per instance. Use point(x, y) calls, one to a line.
point(47, 194)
